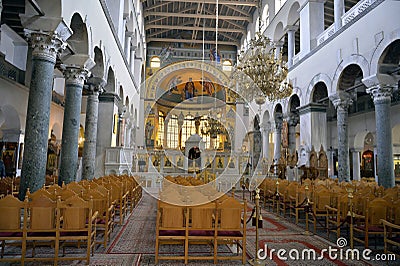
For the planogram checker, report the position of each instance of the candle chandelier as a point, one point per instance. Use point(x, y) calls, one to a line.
point(263, 68)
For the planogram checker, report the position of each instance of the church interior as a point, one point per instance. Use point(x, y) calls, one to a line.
point(199, 132)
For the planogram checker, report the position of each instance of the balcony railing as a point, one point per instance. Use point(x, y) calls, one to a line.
point(346, 18)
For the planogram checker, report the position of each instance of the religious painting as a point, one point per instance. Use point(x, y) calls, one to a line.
point(285, 135)
point(220, 162)
point(167, 162)
point(179, 161)
point(149, 132)
point(142, 162)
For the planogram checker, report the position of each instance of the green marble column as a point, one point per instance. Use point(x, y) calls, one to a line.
point(44, 53)
point(74, 79)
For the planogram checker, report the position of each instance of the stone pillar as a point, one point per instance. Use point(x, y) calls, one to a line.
point(292, 123)
point(128, 128)
point(45, 50)
point(278, 139)
point(278, 48)
point(311, 24)
point(291, 43)
point(92, 110)
point(381, 87)
point(127, 48)
point(356, 165)
point(342, 101)
point(265, 128)
point(338, 12)
point(132, 59)
point(74, 79)
point(313, 127)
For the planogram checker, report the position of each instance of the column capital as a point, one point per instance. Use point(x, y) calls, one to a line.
point(75, 75)
point(291, 28)
point(380, 86)
point(279, 44)
point(46, 46)
point(341, 100)
point(293, 119)
point(96, 84)
point(265, 127)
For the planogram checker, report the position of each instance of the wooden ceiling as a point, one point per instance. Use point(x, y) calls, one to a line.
point(185, 21)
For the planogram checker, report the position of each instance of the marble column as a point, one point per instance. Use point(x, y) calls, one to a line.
point(381, 88)
point(278, 139)
point(265, 128)
point(291, 43)
point(74, 79)
point(44, 53)
point(338, 12)
point(342, 101)
point(278, 48)
point(127, 48)
point(292, 123)
point(92, 111)
point(132, 59)
point(356, 165)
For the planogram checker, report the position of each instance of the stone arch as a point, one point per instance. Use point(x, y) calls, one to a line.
point(389, 59)
point(380, 49)
point(359, 140)
point(79, 41)
point(121, 93)
point(256, 122)
point(321, 77)
point(319, 92)
point(294, 102)
point(278, 110)
point(98, 69)
point(10, 123)
point(265, 118)
point(293, 14)
point(127, 102)
point(349, 77)
point(110, 87)
point(57, 130)
point(352, 60)
point(278, 32)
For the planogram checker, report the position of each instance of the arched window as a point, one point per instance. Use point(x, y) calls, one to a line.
point(188, 128)
point(160, 135)
point(265, 17)
point(155, 62)
point(172, 132)
point(227, 65)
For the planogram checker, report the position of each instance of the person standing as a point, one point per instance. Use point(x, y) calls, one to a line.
point(2, 169)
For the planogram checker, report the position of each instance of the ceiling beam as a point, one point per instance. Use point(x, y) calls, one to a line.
point(221, 2)
point(189, 41)
point(199, 28)
point(156, 6)
point(186, 15)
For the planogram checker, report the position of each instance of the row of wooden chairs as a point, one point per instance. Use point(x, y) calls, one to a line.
point(111, 196)
point(214, 224)
point(44, 221)
point(326, 202)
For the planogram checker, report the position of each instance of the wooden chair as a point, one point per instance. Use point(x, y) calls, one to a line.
point(118, 198)
point(229, 228)
point(170, 228)
point(337, 214)
point(41, 193)
point(12, 225)
point(200, 229)
point(41, 228)
point(370, 223)
point(321, 199)
point(76, 224)
point(391, 236)
point(101, 204)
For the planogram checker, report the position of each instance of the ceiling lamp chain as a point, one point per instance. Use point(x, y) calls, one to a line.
point(266, 70)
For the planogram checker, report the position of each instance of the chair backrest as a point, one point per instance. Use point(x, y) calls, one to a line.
point(171, 216)
point(42, 193)
point(75, 212)
point(65, 193)
point(230, 214)
point(42, 213)
point(202, 216)
point(10, 209)
point(377, 210)
point(100, 201)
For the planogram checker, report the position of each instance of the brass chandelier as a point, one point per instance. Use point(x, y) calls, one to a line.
point(213, 126)
point(263, 67)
